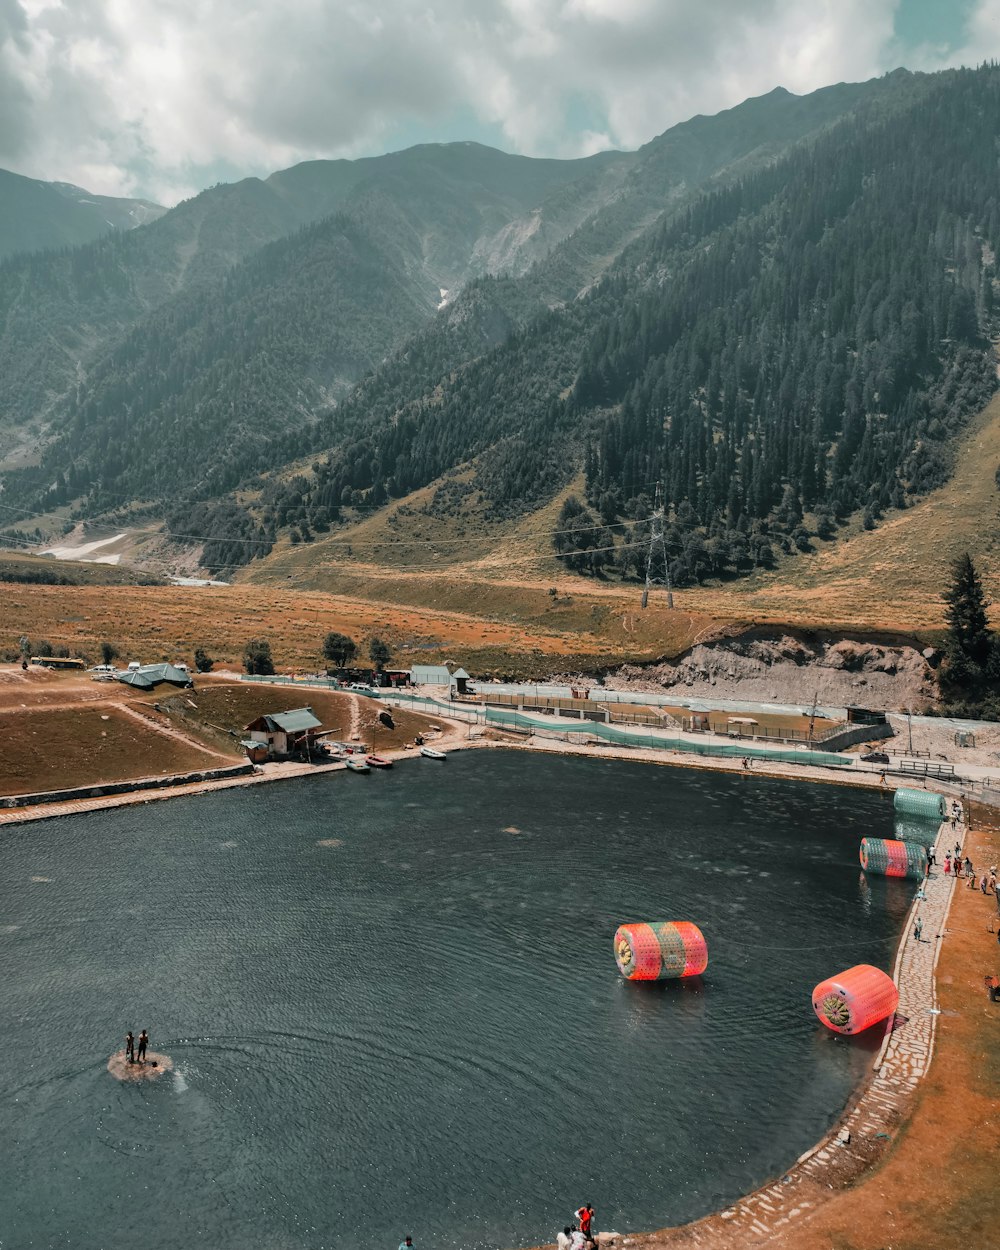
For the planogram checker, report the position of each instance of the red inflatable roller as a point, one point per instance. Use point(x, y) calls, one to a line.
point(660, 951)
point(892, 858)
point(856, 999)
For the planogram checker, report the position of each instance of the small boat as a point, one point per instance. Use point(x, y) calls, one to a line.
point(431, 754)
point(356, 765)
point(378, 761)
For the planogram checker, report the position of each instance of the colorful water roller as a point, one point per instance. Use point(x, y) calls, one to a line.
point(856, 999)
point(661, 950)
point(892, 858)
point(915, 829)
point(920, 803)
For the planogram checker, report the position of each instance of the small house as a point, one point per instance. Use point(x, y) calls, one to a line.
point(460, 681)
point(285, 733)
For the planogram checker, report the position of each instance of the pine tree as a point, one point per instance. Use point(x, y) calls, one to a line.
point(969, 636)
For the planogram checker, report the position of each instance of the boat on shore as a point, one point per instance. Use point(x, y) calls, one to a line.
point(378, 761)
point(357, 765)
point(430, 754)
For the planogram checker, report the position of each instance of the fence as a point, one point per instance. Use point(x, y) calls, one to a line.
point(922, 768)
point(613, 735)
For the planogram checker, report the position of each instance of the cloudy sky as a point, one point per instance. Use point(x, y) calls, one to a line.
point(164, 97)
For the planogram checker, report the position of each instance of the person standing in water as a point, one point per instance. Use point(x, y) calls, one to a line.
point(129, 1047)
point(143, 1040)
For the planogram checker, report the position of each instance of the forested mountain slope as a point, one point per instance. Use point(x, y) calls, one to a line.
point(800, 345)
point(38, 216)
point(81, 332)
point(791, 322)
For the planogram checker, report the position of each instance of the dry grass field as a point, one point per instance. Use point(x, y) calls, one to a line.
point(885, 580)
point(62, 730)
point(495, 599)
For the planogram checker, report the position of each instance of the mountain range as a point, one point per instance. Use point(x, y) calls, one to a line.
point(781, 314)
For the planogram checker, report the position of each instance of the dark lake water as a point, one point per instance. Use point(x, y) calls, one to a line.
point(422, 1030)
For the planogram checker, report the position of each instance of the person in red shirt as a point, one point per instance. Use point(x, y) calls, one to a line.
point(585, 1215)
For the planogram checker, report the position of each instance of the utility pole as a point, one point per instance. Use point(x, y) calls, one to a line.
point(657, 544)
point(812, 715)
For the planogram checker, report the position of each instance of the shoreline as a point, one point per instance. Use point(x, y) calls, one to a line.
point(878, 1107)
point(456, 738)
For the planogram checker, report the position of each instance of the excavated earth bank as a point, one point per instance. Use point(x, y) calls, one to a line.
point(790, 668)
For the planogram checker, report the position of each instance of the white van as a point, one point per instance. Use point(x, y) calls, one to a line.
point(134, 666)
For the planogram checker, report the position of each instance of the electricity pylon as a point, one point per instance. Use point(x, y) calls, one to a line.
point(657, 545)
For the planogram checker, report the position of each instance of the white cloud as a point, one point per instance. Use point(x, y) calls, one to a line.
point(160, 95)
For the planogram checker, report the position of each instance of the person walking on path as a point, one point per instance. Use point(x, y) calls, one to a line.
point(947, 864)
point(918, 929)
point(143, 1042)
point(129, 1047)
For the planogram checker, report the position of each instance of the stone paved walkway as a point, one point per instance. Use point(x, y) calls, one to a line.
point(873, 1119)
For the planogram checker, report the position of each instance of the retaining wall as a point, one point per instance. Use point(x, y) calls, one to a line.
point(124, 787)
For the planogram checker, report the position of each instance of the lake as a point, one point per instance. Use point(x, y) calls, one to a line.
point(419, 1027)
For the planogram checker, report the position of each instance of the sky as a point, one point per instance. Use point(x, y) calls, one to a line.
point(161, 98)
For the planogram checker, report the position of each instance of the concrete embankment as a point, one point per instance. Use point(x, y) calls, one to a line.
point(125, 787)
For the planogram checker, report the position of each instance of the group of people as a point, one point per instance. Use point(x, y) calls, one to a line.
point(136, 1052)
point(955, 865)
point(579, 1236)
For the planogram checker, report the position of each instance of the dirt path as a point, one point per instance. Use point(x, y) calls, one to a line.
point(150, 722)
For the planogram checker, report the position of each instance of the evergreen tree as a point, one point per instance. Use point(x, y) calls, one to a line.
point(203, 661)
point(969, 637)
point(109, 653)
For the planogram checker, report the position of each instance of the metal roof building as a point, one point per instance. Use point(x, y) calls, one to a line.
point(284, 732)
point(430, 675)
point(150, 675)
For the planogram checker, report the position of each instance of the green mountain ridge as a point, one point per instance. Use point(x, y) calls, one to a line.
point(781, 313)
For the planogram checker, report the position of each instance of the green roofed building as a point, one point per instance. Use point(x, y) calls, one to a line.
point(150, 675)
point(285, 733)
